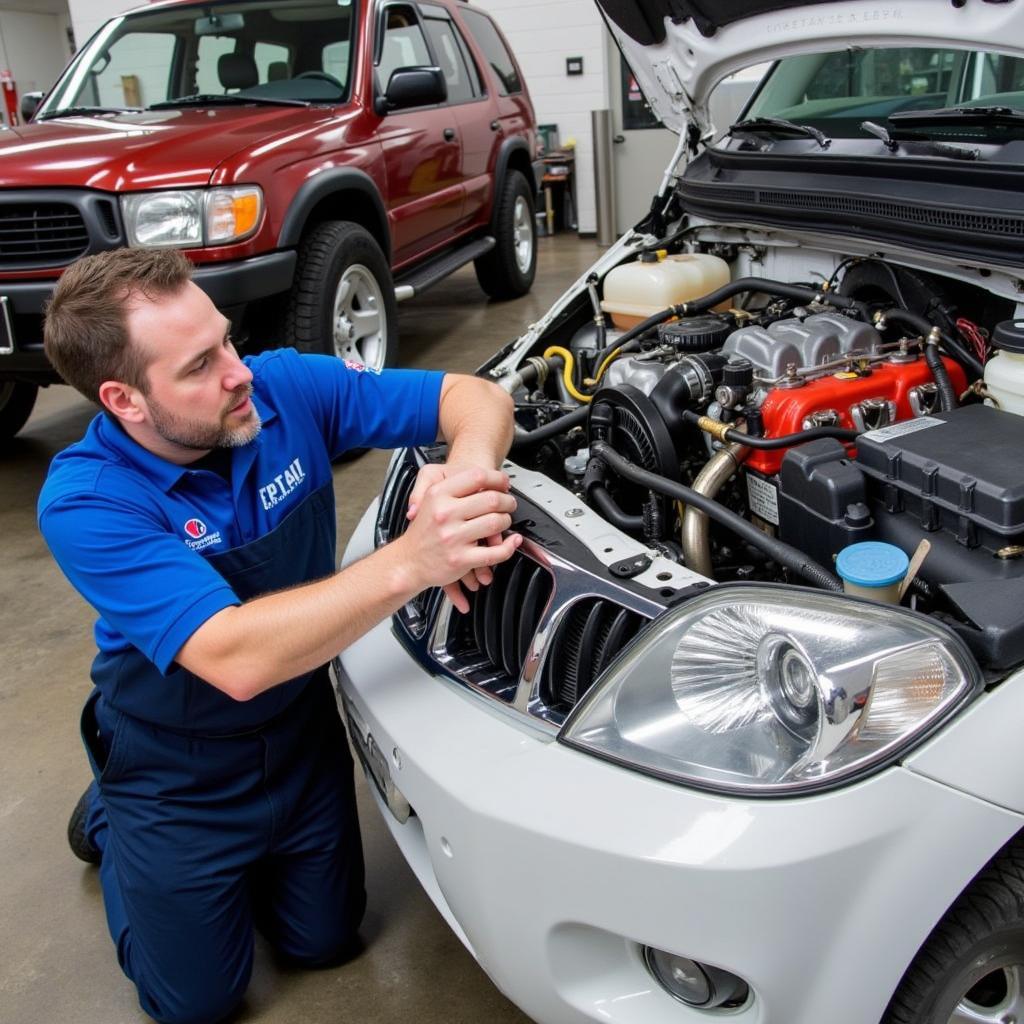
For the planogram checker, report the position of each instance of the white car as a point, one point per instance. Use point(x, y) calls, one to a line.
point(671, 768)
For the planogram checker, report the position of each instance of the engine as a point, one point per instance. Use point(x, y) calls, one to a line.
point(818, 421)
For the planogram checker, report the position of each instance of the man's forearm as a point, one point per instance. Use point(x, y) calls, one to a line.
point(477, 421)
point(247, 649)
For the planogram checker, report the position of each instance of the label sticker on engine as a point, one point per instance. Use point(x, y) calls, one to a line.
point(763, 499)
point(906, 427)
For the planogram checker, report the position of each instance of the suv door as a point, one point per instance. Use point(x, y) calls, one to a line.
point(421, 146)
point(475, 112)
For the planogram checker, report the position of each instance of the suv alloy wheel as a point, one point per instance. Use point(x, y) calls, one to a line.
point(342, 301)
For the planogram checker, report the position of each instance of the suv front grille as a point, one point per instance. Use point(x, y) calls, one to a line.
point(490, 644)
point(45, 233)
point(588, 638)
point(538, 637)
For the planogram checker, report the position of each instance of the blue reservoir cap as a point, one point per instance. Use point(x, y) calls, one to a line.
point(872, 564)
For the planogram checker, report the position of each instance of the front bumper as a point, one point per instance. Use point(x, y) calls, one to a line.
point(227, 284)
point(555, 868)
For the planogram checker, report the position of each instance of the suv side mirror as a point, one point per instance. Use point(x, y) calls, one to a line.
point(29, 104)
point(414, 87)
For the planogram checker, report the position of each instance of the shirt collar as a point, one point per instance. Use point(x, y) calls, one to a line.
point(161, 472)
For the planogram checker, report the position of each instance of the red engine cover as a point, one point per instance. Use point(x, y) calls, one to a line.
point(785, 409)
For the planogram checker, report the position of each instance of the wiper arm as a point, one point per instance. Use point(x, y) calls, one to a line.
point(932, 146)
point(82, 111)
point(209, 99)
point(778, 126)
point(1005, 117)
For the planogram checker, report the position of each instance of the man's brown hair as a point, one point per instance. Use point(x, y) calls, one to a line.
point(85, 332)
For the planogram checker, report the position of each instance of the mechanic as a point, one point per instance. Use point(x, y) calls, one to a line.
point(197, 517)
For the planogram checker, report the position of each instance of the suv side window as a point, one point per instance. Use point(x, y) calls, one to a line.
point(403, 44)
point(494, 49)
point(451, 56)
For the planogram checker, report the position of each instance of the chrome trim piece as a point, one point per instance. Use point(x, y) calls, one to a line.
point(8, 348)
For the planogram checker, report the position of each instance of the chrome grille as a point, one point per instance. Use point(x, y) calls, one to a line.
point(539, 636)
point(45, 233)
point(591, 633)
point(491, 643)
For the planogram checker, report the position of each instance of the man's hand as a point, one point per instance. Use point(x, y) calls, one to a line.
point(450, 511)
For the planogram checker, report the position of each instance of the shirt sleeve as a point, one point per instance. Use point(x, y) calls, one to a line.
point(145, 583)
point(356, 407)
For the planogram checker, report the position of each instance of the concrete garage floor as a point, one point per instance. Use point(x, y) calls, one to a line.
point(56, 959)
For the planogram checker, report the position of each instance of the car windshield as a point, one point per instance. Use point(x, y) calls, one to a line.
point(264, 50)
point(836, 92)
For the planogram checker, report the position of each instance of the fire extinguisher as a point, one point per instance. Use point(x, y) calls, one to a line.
point(10, 95)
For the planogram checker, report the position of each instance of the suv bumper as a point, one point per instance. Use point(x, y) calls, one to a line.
point(555, 868)
point(227, 284)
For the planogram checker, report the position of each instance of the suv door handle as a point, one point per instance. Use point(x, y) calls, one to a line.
point(449, 135)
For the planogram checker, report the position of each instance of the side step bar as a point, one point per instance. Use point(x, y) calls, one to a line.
point(420, 279)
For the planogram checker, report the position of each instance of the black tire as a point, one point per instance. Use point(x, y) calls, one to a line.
point(331, 252)
point(503, 272)
point(16, 401)
point(973, 962)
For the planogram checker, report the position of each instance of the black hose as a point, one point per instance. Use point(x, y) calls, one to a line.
point(608, 507)
point(785, 554)
point(924, 327)
point(552, 429)
point(947, 393)
point(767, 444)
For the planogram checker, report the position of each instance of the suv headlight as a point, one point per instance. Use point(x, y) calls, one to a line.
point(763, 690)
point(189, 218)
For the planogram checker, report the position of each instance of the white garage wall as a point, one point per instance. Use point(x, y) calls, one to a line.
point(34, 47)
point(542, 35)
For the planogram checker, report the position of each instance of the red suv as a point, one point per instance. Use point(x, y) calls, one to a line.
point(319, 161)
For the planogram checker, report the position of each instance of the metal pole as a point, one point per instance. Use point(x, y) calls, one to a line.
point(604, 175)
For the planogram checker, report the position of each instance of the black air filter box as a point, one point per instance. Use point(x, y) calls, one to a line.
point(961, 472)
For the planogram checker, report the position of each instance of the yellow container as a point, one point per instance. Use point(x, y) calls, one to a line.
point(634, 291)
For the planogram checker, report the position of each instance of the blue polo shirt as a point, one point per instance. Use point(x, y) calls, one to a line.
point(132, 532)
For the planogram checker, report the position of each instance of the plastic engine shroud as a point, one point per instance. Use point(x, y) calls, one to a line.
point(785, 409)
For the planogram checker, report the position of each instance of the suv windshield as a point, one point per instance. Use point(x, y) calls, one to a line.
point(264, 50)
point(837, 92)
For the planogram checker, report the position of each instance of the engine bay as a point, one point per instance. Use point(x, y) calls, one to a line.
point(756, 430)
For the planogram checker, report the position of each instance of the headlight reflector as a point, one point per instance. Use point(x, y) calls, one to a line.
point(757, 689)
point(188, 218)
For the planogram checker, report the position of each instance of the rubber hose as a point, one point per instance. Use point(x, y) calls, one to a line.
point(609, 508)
point(767, 444)
point(552, 429)
point(947, 393)
point(924, 327)
point(785, 554)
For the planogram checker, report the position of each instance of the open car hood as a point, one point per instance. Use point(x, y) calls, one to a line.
point(679, 50)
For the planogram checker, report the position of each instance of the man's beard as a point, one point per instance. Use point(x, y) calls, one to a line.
point(198, 435)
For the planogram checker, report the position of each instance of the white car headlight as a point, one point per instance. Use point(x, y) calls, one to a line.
point(189, 218)
point(769, 690)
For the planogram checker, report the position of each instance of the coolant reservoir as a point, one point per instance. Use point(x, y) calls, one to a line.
point(1004, 372)
point(634, 291)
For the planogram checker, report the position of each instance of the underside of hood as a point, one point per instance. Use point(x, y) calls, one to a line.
point(680, 49)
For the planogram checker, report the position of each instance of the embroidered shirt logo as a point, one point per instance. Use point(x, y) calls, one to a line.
point(195, 528)
point(198, 535)
point(282, 485)
point(361, 367)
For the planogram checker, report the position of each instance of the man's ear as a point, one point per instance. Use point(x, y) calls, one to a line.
point(123, 401)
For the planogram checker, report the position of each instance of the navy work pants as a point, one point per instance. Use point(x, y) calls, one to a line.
point(206, 839)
